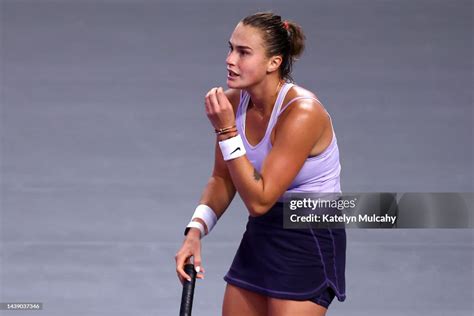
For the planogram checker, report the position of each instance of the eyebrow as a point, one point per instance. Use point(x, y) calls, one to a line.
point(240, 46)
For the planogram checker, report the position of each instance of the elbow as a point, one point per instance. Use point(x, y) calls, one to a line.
point(260, 204)
point(258, 209)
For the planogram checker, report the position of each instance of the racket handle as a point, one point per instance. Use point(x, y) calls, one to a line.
point(188, 291)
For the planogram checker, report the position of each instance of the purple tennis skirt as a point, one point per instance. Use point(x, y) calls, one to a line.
point(295, 264)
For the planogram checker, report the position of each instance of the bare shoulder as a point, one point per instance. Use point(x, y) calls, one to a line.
point(308, 104)
point(296, 91)
point(234, 97)
point(306, 118)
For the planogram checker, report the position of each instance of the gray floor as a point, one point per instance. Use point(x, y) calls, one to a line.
point(102, 102)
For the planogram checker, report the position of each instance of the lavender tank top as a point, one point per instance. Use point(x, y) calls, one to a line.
point(319, 173)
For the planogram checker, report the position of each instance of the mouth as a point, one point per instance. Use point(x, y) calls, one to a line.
point(231, 74)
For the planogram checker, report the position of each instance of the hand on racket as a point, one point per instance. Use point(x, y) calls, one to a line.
point(191, 248)
point(187, 296)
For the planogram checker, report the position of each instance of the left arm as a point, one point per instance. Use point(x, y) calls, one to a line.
point(299, 128)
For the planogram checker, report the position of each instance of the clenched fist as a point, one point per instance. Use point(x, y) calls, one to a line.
point(219, 109)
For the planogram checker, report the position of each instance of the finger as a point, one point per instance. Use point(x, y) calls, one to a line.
point(180, 278)
point(197, 261)
point(210, 107)
point(183, 274)
point(201, 274)
point(213, 101)
point(209, 92)
point(207, 102)
point(180, 259)
point(221, 97)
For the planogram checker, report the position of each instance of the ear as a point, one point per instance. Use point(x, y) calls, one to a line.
point(273, 63)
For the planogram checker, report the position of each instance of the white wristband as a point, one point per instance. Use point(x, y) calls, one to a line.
point(207, 215)
point(198, 226)
point(232, 148)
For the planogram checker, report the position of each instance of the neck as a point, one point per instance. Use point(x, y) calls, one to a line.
point(264, 95)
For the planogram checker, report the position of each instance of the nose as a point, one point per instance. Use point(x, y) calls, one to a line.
point(230, 60)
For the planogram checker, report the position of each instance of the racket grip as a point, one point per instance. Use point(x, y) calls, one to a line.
point(188, 291)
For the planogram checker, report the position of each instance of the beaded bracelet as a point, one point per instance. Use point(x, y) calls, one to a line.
point(225, 129)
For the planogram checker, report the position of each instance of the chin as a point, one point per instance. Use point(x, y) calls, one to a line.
point(232, 85)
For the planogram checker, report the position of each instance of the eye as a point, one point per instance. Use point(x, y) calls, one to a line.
point(240, 51)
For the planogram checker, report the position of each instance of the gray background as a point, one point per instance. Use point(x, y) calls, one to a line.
point(105, 147)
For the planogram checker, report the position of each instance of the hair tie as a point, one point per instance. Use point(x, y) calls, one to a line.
point(285, 25)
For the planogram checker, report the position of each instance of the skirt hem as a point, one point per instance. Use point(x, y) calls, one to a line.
point(284, 295)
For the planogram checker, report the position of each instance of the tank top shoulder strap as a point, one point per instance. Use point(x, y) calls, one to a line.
point(240, 101)
point(238, 113)
point(276, 108)
point(305, 97)
point(293, 100)
point(279, 101)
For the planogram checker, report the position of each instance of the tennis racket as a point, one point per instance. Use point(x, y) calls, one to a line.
point(188, 291)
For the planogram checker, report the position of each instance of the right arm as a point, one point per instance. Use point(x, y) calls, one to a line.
point(218, 194)
point(220, 189)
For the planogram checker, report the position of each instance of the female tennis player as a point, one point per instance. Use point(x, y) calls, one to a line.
point(273, 138)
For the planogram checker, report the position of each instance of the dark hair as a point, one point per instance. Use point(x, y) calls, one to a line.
point(283, 38)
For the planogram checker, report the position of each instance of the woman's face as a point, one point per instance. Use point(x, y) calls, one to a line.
point(246, 60)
